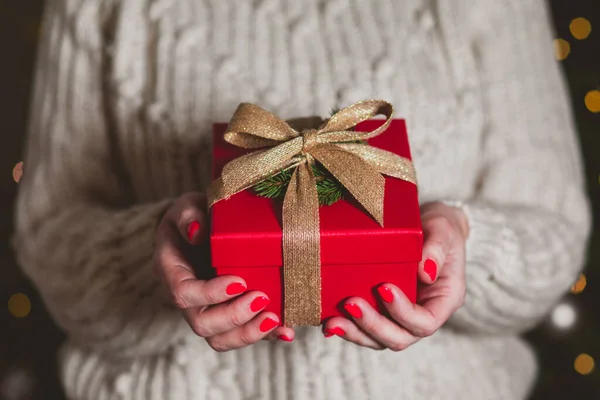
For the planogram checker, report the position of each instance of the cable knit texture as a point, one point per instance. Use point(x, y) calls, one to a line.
point(126, 93)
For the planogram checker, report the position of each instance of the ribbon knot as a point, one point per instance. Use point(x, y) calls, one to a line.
point(309, 140)
point(358, 167)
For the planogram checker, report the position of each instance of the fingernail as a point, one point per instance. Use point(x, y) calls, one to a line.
point(193, 227)
point(334, 331)
point(385, 293)
point(259, 303)
point(268, 324)
point(235, 288)
point(353, 310)
point(285, 338)
point(430, 268)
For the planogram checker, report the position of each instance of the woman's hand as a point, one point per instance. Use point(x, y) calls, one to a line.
point(443, 273)
point(220, 310)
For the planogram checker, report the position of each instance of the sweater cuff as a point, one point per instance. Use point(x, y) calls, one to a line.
point(492, 248)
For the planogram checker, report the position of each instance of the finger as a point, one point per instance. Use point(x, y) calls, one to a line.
point(186, 290)
point(282, 333)
point(378, 327)
point(419, 320)
point(257, 329)
point(437, 232)
point(191, 293)
point(225, 316)
point(169, 263)
point(348, 331)
point(190, 217)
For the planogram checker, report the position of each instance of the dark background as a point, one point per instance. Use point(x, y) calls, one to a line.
point(28, 344)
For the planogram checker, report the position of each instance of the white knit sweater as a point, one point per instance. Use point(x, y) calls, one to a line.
point(126, 92)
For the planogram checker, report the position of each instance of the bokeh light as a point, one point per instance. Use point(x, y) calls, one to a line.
point(17, 383)
point(19, 305)
point(18, 171)
point(580, 28)
point(592, 100)
point(563, 316)
point(584, 364)
point(579, 285)
point(562, 48)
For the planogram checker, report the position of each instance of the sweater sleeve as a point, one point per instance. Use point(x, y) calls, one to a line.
point(530, 218)
point(86, 248)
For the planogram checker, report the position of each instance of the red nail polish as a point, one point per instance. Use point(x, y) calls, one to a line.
point(193, 227)
point(235, 288)
point(328, 334)
point(335, 331)
point(259, 303)
point(385, 293)
point(285, 338)
point(430, 268)
point(268, 324)
point(353, 310)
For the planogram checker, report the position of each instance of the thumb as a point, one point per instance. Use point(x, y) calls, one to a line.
point(438, 239)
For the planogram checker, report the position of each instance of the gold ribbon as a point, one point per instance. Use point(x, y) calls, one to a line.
point(358, 167)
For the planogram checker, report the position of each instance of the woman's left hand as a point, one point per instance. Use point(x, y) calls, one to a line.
point(442, 272)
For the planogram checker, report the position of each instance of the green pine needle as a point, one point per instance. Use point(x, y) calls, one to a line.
point(328, 188)
point(275, 186)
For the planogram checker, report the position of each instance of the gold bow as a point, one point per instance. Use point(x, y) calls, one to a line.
point(358, 167)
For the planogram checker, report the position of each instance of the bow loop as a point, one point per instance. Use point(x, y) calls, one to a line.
point(252, 127)
point(338, 127)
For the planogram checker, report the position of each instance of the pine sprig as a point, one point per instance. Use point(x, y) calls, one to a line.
point(329, 189)
point(274, 186)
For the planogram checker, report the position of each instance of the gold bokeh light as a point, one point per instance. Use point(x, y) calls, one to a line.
point(562, 48)
point(580, 28)
point(19, 305)
point(592, 101)
point(584, 364)
point(579, 285)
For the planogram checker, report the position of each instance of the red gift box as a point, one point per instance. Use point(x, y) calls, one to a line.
point(357, 254)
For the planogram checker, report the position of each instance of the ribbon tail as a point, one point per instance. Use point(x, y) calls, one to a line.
point(384, 161)
point(363, 181)
point(215, 192)
point(301, 250)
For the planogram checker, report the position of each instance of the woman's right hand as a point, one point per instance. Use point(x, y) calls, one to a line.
point(221, 310)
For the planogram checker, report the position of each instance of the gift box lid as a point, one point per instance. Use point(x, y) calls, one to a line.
point(246, 228)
